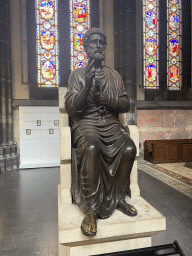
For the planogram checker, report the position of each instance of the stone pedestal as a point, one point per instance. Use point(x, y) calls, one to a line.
point(117, 233)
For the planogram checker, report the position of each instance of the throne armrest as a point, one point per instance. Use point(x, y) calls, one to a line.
point(132, 130)
point(65, 131)
point(64, 195)
point(62, 93)
point(134, 134)
point(65, 143)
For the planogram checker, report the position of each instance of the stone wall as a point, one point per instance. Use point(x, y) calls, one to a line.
point(164, 124)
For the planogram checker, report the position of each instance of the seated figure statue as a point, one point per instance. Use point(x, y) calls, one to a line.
point(102, 151)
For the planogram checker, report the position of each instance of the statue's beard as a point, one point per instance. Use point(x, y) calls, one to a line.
point(96, 55)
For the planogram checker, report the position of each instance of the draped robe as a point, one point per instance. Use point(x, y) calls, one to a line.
point(102, 151)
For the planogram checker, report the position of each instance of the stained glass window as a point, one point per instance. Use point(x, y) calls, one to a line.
point(47, 43)
point(174, 44)
point(150, 44)
point(80, 22)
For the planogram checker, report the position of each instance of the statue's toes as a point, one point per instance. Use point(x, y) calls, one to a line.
point(84, 229)
point(126, 208)
point(132, 211)
point(94, 229)
point(87, 228)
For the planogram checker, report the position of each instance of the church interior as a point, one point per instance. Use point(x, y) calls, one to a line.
point(149, 44)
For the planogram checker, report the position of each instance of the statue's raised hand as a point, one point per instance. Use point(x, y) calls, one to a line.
point(89, 74)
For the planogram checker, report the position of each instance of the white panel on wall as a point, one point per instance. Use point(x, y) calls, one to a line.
point(39, 137)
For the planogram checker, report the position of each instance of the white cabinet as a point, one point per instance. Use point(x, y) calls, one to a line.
point(39, 137)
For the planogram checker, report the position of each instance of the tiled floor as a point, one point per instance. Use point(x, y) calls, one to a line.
point(175, 175)
point(178, 168)
point(28, 212)
point(175, 206)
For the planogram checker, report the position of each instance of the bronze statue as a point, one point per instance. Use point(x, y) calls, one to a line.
point(102, 151)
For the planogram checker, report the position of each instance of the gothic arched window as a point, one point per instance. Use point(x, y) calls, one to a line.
point(150, 44)
point(47, 43)
point(174, 69)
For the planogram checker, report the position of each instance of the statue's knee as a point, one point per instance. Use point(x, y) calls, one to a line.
point(92, 145)
point(131, 150)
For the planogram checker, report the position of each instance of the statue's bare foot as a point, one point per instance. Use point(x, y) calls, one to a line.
point(89, 225)
point(126, 208)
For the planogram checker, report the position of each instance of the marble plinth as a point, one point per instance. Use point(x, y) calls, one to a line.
point(117, 233)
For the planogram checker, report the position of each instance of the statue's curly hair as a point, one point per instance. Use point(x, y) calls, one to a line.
point(90, 32)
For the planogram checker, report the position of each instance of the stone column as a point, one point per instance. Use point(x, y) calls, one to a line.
point(20, 87)
point(139, 41)
point(19, 49)
point(6, 126)
point(106, 23)
point(8, 149)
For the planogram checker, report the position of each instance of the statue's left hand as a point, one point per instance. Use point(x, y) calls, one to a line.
point(102, 99)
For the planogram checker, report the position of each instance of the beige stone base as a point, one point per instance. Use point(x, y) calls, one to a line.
point(108, 247)
point(117, 233)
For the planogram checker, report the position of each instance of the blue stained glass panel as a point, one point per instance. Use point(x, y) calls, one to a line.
point(80, 22)
point(47, 43)
point(150, 44)
point(174, 72)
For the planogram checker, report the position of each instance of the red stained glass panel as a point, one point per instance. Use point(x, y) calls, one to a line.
point(174, 74)
point(79, 13)
point(151, 73)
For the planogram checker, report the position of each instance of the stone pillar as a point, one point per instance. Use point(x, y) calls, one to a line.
point(139, 42)
point(19, 49)
point(5, 87)
point(19, 59)
point(125, 50)
point(106, 23)
point(6, 123)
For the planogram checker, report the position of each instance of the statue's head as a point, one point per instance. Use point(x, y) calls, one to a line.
point(94, 43)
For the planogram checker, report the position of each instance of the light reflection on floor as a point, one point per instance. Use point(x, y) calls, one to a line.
point(28, 212)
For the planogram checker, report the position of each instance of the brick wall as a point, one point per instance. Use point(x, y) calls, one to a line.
point(164, 124)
